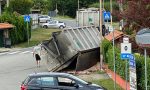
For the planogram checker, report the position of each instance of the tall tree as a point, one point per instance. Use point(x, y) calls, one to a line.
point(69, 7)
point(20, 6)
point(41, 4)
point(137, 13)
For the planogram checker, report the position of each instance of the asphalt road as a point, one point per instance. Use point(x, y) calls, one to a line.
point(15, 66)
point(69, 23)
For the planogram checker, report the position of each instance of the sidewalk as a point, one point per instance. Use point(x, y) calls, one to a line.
point(8, 49)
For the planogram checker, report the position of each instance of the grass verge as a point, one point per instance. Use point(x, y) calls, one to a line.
point(63, 17)
point(107, 83)
point(37, 36)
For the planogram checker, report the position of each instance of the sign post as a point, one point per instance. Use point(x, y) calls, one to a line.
point(125, 53)
point(132, 71)
point(27, 20)
point(142, 39)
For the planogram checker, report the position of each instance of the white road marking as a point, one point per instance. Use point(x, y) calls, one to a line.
point(3, 53)
point(25, 52)
point(14, 52)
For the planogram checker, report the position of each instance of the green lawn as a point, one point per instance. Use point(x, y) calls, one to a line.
point(63, 17)
point(107, 83)
point(37, 36)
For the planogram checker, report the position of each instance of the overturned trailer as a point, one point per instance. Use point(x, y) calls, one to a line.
point(72, 48)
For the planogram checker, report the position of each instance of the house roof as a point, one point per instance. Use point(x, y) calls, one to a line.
point(117, 34)
point(4, 26)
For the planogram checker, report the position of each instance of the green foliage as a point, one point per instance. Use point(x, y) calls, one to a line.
point(106, 5)
point(128, 31)
point(105, 46)
point(19, 33)
point(41, 4)
point(69, 7)
point(20, 6)
point(140, 70)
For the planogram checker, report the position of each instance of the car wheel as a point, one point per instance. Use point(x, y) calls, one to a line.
point(61, 27)
point(45, 26)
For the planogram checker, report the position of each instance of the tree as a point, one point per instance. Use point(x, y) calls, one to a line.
point(41, 4)
point(20, 6)
point(69, 7)
point(137, 13)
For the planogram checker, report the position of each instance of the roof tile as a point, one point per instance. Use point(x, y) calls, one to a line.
point(117, 34)
point(6, 26)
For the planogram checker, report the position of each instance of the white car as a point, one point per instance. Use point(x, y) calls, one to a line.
point(54, 24)
point(44, 18)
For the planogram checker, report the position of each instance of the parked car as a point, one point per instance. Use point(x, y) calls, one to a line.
point(44, 18)
point(56, 81)
point(54, 24)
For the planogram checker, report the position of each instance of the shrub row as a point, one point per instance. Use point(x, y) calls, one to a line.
point(121, 64)
point(19, 33)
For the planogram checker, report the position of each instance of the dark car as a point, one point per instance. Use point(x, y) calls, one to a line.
point(56, 81)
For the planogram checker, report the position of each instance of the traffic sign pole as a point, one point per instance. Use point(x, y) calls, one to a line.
point(28, 32)
point(27, 20)
point(145, 68)
point(114, 61)
point(126, 71)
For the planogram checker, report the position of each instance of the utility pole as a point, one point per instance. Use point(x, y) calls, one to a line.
point(111, 10)
point(0, 7)
point(100, 27)
point(121, 10)
point(78, 12)
point(7, 3)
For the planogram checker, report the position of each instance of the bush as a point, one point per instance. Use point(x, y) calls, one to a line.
point(19, 33)
point(140, 70)
point(105, 46)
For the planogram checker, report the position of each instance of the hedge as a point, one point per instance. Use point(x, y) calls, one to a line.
point(120, 64)
point(19, 33)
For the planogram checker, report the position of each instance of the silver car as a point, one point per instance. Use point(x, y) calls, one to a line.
point(44, 18)
point(54, 24)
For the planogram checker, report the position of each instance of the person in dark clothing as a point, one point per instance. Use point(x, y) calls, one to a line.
point(36, 54)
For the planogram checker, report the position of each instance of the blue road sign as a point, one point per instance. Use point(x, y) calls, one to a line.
point(107, 15)
point(132, 61)
point(125, 55)
point(132, 64)
point(27, 18)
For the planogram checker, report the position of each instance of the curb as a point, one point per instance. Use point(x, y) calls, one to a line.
point(120, 81)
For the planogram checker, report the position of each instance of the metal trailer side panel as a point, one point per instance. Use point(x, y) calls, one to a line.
point(65, 46)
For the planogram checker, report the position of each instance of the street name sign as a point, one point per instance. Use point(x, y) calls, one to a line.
point(125, 55)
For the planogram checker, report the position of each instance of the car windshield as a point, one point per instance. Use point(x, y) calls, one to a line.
point(60, 22)
point(78, 79)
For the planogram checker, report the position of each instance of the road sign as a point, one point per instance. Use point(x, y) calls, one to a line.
point(132, 72)
point(107, 15)
point(132, 61)
point(125, 55)
point(111, 28)
point(27, 18)
point(126, 48)
point(125, 40)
